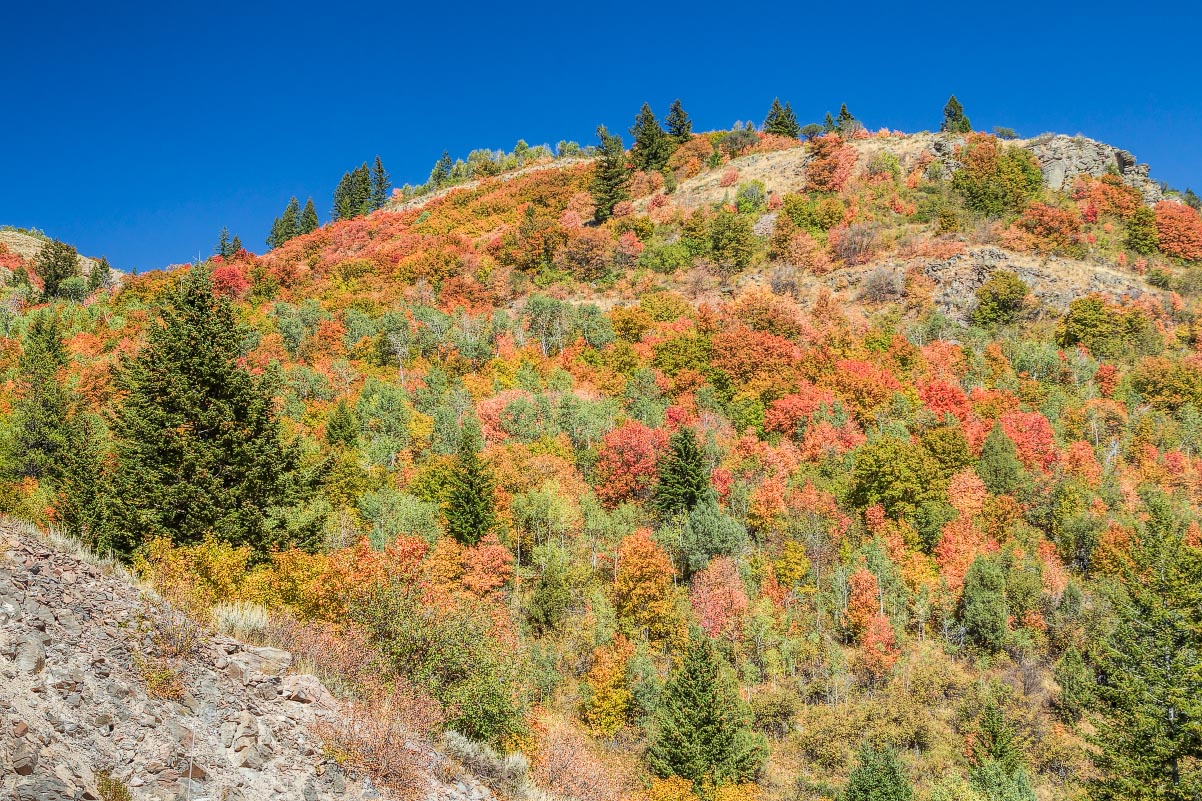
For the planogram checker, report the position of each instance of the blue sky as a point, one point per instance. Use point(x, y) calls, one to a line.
point(137, 130)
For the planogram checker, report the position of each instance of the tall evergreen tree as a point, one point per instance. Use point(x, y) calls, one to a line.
point(828, 124)
point(470, 508)
point(361, 189)
point(342, 429)
point(196, 436)
point(1148, 710)
point(983, 608)
point(845, 122)
point(954, 120)
point(344, 208)
point(290, 220)
point(82, 504)
point(998, 770)
point(680, 127)
point(38, 440)
point(651, 147)
point(55, 263)
point(877, 776)
point(223, 244)
point(236, 245)
point(781, 121)
point(381, 184)
point(101, 275)
point(609, 181)
point(701, 730)
point(442, 170)
point(683, 479)
point(308, 219)
point(999, 466)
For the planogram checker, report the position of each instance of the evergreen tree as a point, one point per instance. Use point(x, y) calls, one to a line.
point(236, 245)
point(997, 769)
point(344, 208)
point(983, 609)
point(38, 438)
point(342, 429)
point(196, 436)
point(651, 147)
point(609, 182)
point(380, 185)
point(954, 120)
point(828, 124)
point(680, 127)
point(877, 776)
point(701, 729)
point(1076, 683)
point(55, 263)
point(361, 190)
point(1142, 235)
point(552, 593)
point(275, 237)
point(470, 508)
point(781, 121)
point(82, 504)
point(101, 275)
point(442, 170)
point(999, 467)
point(290, 220)
point(683, 479)
point(1149, 694)
point(223, 244)
point(845, 123)
point(811, 131)
point(308, 219)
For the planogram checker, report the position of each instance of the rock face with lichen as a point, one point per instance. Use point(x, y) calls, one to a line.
point(74, 704)
point(1063, 158)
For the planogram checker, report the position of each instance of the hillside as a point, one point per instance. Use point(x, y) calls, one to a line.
point(746, 465)
point(27, 246)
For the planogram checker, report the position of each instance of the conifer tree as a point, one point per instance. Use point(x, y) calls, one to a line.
point(223, 244)
point(651, 147)
point(683, 480)
point(361, 190)
point(308, 219)
point(196, 437)
point(101, 275)
point(38, 438)
point(290, 220)
point(680, 127)
point(998, 769)
point(380, 185)
point(877, 776)
point(470, 501)
point(984, 611)
point(236, 245)
point(609, 182)
point(701, 730)
point(442, 170)
point(845, 121)
point(1149, 694)
point(828, 124)
point(781, 121)
point(954, 120)
point(275, 235)
point(55, 263)
point(342, 429)
point(344, 208)
point(82, 503)
point(999, 467)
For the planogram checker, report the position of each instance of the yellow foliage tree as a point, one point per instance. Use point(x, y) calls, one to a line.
point(609, 697)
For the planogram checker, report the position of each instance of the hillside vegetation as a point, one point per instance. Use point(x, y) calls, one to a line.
point(789, 462)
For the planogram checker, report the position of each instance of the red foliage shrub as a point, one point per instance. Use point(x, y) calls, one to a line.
point(1180, 230)
point(229, 280)
point(730, 177)
point(1052, 230)
point(627, 460)
point(719, 599)
point(830, 165)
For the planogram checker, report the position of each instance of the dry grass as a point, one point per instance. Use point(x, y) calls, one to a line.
point(242, 621)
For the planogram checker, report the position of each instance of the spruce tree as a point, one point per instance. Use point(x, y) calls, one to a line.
point(609, 181)
point(343, 201)
point(651, 147)
point(236, 245)
point(82, 505)
point(781, 121)
point(470, 508)
point(1148, 706)
point(983, 608)
point(998, 770)
point(55, 263)
point(223, 244)
point(954, 120)
point(999, 466)
point(290, 220)
point(877, 776)
point(308, 219)
point(828, 124)
point(701, 729)
point(361, 190)
point(1076, 682)
point(101, 275)
point(442, 170)
point(380, 185)
point(342, 429)
point(196, 437)
point(683, 479)
point(680, 127)
point(38, 438)
point(845, 120)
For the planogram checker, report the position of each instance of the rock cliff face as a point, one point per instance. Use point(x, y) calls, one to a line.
point(74, 705)
point(1063, 158)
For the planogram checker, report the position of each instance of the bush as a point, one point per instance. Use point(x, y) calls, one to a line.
point(882, 285)
point(751, 197)
point(1179, 230)
point(996, 179)
point(999, 299)
point(855, 244)
point(74, 288)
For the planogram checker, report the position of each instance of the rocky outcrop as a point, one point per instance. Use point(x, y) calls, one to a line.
point(73, 703)
point(1063, 158)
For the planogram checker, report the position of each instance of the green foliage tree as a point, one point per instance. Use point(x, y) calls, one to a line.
point(954, 120)
point(1076, 682)
point(781, 121)
point(702, 731)
point(845, 123)
point(470, 503)
point(683, 479)
point(381, 184)
point(609, 181)
point(342, 429)
point(878, 775)
point(101, 275)
point(55, 263)
point(442, 170)
point(998, 770)
point(308, 219)
point(552, 592)
point(223, 244)
point(1148, 706)
point(196, 437)
point(996, 179)
point(1142, 235)
point(999, 467)
point(733, 242)
point(680, 127)
point(38, 438)
point(828, 123)
point(898, 475)
point(983, 609)
point(1000, 299)
point(652, 146)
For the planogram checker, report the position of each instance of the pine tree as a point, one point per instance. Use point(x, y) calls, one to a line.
point(984, 612)
point(651, 147)
point(877, 776)
point(275, 237)
point(845, 121)
point(55, 263)
point(609, 182)
point(470, 508)
point(342, 429)
point(308, 219)
point(196, 438)
point(701, 729)
point(101, 275)
point(552, 593)
point(380, 185)
point(361, 190)
point(1076, 682)
point(781, 121)
point(442, 170)
point(828, 124)
point(343, 201)
point(999, 467)
point(680, 127)
point(223, 244)
point(38, 440)
point(998, 770)
point(683, 480)
point(954, 120)
point(290, 220)
point(236, 245)
point(1149, 692)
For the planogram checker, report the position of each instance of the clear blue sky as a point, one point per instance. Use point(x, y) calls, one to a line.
point(137, 130)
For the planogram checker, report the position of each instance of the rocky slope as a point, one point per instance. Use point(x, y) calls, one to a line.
point(74, 705)
point(27, 246)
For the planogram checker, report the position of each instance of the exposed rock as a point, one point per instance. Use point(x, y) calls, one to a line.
point(1063, 158)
